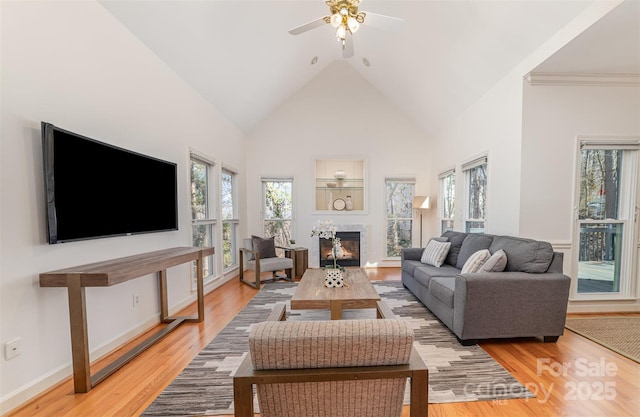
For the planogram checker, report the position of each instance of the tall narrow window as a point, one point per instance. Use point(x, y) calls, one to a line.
point(278, 209)
point(607, 200)
point(476, 190)
point(229, 219)
point(202, 210)
point(447, 199)
point(399, 214)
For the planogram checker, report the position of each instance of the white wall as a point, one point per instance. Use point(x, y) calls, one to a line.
point(337, 115)
point(490, 126)
point(553, 118)
point(74, 65)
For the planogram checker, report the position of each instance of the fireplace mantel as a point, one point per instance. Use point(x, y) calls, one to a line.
point(314, 253)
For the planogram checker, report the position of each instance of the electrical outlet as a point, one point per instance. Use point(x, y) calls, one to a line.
point(12, 348)
point(136, 300)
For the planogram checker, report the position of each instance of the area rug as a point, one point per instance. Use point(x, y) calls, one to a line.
point(620, 334)
point(456, 373)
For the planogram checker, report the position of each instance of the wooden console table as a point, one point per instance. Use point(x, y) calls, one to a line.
point(113, 272)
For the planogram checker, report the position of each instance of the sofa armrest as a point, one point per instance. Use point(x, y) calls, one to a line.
point(510, 304)
point(411, 254)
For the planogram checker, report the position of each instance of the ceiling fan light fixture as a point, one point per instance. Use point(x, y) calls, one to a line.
point(336, 20)
point(353, 24)
point(341, 33)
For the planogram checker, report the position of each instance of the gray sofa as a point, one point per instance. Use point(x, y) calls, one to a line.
point(528, 299)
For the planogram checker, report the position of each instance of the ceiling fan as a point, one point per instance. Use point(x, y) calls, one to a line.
point(345, 17)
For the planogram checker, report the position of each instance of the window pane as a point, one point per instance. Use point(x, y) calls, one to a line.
point(477, 191)
point(475, 227)
point(278, 200)
point(203, 236)
point(399, 199)
point(227, 196)
point(281, 230)
point(228, 244)
point(398, 236)
point(399, 216)
point(599, 184)
point(447, 225)
point(198, 190)
point(449, 191)
point(599, 257)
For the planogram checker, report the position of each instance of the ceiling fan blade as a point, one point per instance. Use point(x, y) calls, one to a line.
point(380, 21)
point(308, 26)
point(347, 47)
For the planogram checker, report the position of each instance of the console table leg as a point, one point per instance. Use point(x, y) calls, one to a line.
point(164, 303)
point(79, 336)
point(200, 285)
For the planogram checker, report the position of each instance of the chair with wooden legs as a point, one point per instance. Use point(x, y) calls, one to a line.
point(330, 368)
point(260, 256)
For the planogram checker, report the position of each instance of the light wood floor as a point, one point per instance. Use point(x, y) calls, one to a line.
point(584, 386)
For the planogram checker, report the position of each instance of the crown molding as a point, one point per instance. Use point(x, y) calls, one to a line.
point(576, 79)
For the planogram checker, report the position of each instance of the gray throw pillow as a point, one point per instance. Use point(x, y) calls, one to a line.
point(265, 247)
point(497, 262)
point(456, 239)
point(472, 244)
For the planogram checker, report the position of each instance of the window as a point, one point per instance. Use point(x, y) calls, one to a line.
point(476, 189)
point(202, 210)
point(229, 219)
point(607, 200)
point(399, 214)
point(447, 199)
point(278, 209)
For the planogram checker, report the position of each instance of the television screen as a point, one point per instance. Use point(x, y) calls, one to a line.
point(96, 190)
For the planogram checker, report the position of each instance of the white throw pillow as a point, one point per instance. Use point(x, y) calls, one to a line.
point(497, 262)
point(475, 261)
point(435, 253)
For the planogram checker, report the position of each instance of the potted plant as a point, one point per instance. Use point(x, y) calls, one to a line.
point(334, 274)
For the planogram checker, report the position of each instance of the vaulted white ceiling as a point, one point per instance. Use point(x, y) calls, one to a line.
point(240, 57)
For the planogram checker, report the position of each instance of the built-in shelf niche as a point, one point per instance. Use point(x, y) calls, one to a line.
point(340, 185)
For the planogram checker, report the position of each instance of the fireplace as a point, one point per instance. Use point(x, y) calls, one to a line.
point(350, 242)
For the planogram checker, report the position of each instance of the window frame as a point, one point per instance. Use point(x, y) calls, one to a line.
point(291, 220)
point(628, 213)
point(442, 198)
point(387, 219)
point(210, 219)
point(233, 220)
point(467, 170)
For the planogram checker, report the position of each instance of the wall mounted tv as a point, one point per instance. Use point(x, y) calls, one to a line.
point(96, 190)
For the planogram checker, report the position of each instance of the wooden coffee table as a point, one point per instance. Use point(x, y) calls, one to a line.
point(311, 294)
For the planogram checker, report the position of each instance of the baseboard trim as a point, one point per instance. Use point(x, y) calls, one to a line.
point(29, 391)
point(608, 306)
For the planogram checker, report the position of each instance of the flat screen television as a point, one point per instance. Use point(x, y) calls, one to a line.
point(95, 190)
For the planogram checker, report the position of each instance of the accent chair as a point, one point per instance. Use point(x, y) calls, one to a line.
point(330, 369)
point(261, 257)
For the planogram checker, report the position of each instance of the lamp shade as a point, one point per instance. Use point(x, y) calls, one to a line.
point(421, 202)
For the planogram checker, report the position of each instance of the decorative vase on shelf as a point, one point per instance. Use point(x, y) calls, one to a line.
point(340, 174)
point(349, 204)
point(333, 278)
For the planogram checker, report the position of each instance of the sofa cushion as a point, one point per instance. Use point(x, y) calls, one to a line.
point(424, 273)
point(524, 255)
point(435, 253)
point(443, 288)
point(472, 244)
point(496, 263)
point(475, 261)
point(456, 239)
